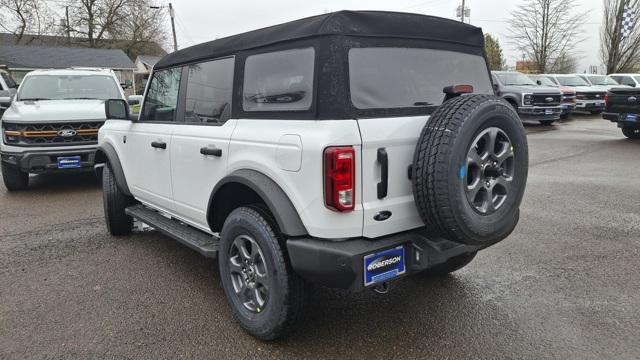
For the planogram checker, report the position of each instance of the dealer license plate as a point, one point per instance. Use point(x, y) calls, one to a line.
point(384, 266)
point(69, 162)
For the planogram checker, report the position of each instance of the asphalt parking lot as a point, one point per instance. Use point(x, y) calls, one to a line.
point(565, 285)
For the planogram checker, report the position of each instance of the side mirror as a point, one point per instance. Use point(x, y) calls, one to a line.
point(116, 109)
point(6, 97)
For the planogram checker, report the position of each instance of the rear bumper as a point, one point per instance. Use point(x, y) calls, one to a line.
point(620, 120)
point(540, 112)
point(45, 161)
point(340, 264)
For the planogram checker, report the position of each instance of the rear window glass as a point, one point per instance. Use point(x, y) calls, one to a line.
point(279, 81)
point(408, 78)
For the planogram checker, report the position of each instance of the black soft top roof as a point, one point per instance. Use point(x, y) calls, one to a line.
point(349, 23)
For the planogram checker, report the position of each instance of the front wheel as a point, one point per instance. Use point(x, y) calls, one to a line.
point(631, 132)
point(13, 178)
point(115, 202)
point(264, 293)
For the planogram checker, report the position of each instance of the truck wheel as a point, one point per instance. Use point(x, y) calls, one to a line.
point(264, 293)
point(630, 132)
point(13, 178)
point(547, 122)
point(454, 264)
point(114, 202)
point(470, 170)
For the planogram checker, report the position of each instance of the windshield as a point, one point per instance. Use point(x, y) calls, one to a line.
point(637, 78)
point(571, 81)
point(60, 87)
point(601, 80)
point(514, 79)
point(544, 81)
point(8, 80)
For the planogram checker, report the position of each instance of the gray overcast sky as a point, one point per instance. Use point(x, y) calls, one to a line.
point(199, 21)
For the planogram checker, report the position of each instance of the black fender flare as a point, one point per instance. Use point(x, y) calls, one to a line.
point(279, 204)
point(512, 99)
point(106, 153)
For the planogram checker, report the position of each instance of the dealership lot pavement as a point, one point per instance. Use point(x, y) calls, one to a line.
point(564, 285)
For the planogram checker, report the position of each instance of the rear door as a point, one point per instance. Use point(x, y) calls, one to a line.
point(148, 142)
point(394, 90)
point(200, 145)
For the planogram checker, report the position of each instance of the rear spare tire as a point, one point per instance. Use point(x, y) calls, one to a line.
point(470, 170)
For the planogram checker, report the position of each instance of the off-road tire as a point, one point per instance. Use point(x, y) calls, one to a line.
point(114, 202)
point(547, 122)
point(454, 264)
point(438, 182)
point(631, 132)
point(14, 179)
point(287, 293)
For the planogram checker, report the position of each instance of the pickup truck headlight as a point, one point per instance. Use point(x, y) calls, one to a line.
point(11, 136)
point(527, 99)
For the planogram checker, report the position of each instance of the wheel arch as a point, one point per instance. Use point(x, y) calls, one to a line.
point(511, 99)
point(244, 187)
point(106, 154)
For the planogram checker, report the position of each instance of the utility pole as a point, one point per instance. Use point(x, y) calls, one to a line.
point(173, 28)
point(68, 26)
point(462, 12)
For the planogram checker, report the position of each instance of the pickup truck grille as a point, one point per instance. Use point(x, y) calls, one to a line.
point(541, 99)
point(52, 134)
point(621, 103)
point(591, 96)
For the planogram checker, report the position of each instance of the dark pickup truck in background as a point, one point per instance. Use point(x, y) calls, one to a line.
point(623, 108)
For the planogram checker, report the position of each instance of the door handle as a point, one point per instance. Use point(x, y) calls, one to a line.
point(211, 151)
point(383, 185)
point(159, 145)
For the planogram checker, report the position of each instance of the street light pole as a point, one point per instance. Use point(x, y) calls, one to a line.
point(173, 27)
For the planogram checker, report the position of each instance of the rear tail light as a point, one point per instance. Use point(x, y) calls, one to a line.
point(340, 178)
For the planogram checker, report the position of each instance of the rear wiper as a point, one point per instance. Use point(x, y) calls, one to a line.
point(34, 99)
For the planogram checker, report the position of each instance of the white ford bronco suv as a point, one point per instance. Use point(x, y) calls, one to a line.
point(52, 123)
point(349, 149)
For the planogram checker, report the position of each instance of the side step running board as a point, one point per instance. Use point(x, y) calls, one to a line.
point(204, 243)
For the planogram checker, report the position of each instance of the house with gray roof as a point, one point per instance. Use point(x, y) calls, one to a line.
point(20, 59)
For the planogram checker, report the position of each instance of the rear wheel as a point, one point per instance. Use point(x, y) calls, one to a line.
point(631, 132)
point(14, 179)
point(470, 170)
point(115, 202)
point(264, 293)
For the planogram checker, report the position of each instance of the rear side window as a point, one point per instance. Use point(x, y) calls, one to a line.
point(385, 78)
point(162, 96)
point(279, 81)
point(209, 91)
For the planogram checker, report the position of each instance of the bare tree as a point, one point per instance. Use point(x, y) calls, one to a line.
point(143, 26)
point(97, 20)
point(618, 53)
point(546, 31)
point(25, 17)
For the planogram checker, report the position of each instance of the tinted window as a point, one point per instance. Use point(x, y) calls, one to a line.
point(8, 80)
point(403, 78)
point(162, 96)
point(60, 87)
point(209, 90)
point(279, 81)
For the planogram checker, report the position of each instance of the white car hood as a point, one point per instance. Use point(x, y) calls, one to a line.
point(55, 110)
